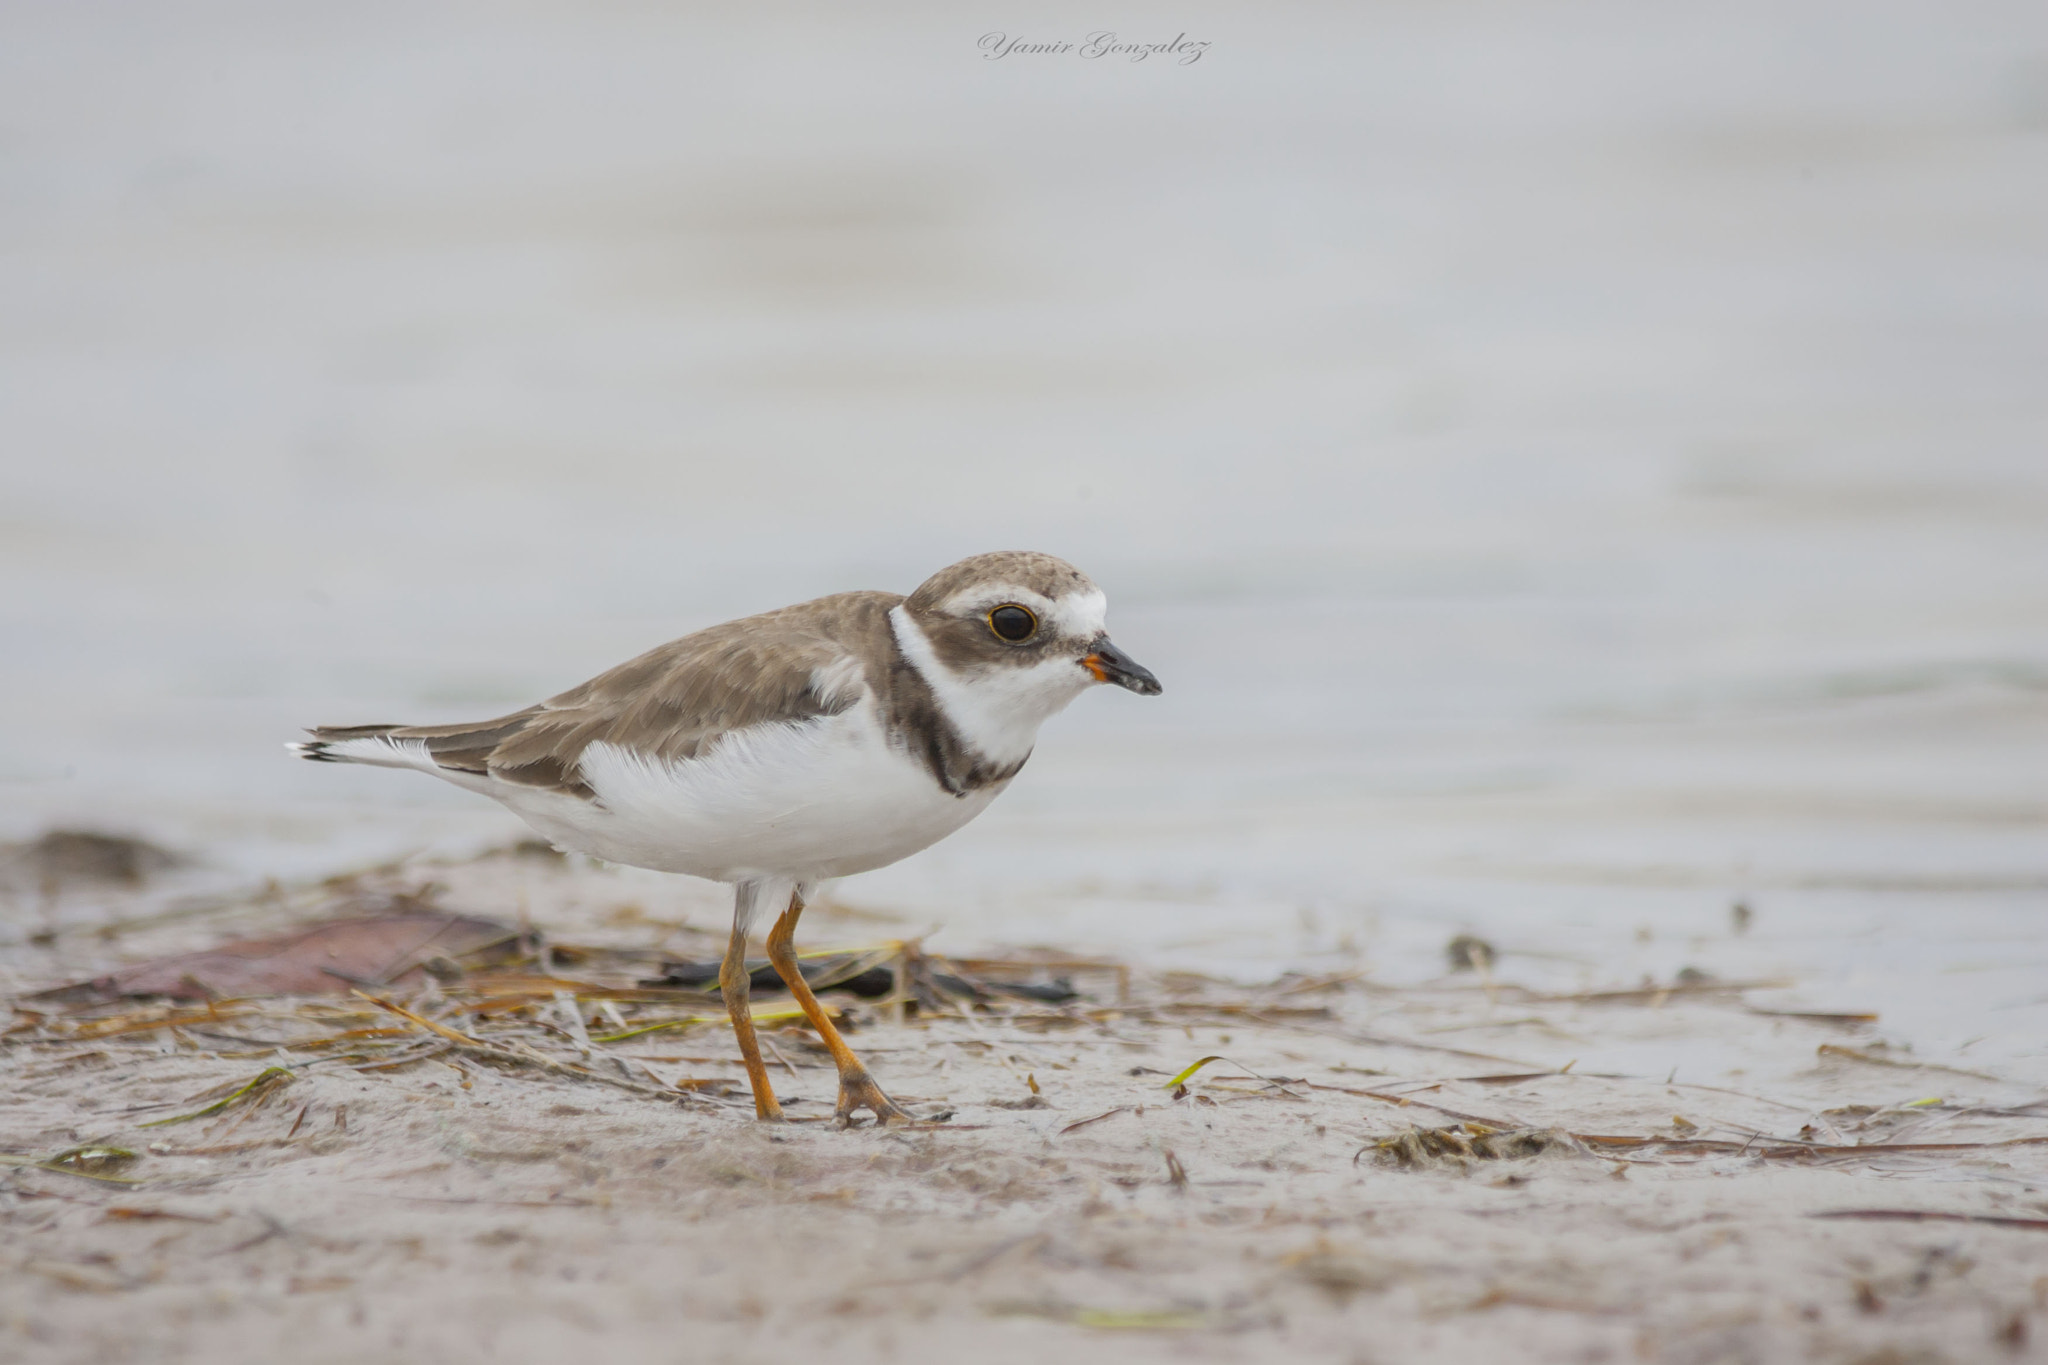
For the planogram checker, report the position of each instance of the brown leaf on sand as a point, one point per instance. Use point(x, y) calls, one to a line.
point(323, 959)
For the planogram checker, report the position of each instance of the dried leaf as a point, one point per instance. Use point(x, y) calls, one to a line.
point(325, 959)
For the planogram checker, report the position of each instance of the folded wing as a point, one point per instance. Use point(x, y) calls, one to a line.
point(672, 703)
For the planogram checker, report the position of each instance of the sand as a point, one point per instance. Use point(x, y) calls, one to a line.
point(1071, 1203)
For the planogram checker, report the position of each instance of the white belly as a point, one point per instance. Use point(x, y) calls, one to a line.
point(825, 798)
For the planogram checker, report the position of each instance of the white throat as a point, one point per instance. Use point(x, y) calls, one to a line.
point(996, 710)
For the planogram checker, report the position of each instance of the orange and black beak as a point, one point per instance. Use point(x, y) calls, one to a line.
point(1111, 665)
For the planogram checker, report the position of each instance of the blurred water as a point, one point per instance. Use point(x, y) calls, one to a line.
point(1571, 465)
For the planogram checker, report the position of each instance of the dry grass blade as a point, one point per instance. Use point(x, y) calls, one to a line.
point(499, 988)
point(855, 962)
point(1412, 1045)
point(661, 1026)
point(765, 1014)
point(1780, 1149)
point(121, 1213)
point(1817, 1016)
point(522, 1055)
point(1083, 1123)
point(1480, 1140)
point(1274, 1083)
point(121, 1024)
point(1871, 1059)
point(1934, 1216)
point(257, 1089)
point(428, 1024)
point(1138, 1321)
point(1256, 1013)
point(1404, 1101)
point(1652, 994)
point(91, 1161)
point(426, 1052)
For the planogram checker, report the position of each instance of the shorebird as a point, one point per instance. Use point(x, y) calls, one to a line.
point(824, 739)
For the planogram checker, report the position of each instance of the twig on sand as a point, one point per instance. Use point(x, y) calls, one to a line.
point(1934, 1216)
point(523, 1055)
point(1406, 1100)
point(1871, 1059)
point(1781, 1149)
point(1107, 1113)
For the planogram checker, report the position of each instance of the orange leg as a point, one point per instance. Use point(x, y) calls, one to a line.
point(734, 986)
point(857, 1089)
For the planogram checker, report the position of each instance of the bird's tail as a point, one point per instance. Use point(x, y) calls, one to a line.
point(385, 746)
point(439, 749)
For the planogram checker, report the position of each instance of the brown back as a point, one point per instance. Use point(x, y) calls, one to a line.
point(674, 701)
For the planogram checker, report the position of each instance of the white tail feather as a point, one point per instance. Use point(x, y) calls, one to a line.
point(378, 751)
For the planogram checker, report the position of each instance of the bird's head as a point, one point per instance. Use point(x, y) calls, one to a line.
point(1008, 639)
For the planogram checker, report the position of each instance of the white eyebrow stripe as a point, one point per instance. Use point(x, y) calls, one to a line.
point(974, 601)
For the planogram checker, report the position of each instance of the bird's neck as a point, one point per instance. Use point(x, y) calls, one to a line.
point(995, 710)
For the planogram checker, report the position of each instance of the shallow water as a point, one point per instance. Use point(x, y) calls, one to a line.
point(1571, 466)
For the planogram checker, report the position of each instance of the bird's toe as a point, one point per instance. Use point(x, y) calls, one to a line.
point(857, 1091)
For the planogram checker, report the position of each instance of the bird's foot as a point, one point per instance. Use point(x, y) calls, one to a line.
point(857, 1090)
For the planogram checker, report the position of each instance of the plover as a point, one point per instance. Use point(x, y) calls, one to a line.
point(832, 737)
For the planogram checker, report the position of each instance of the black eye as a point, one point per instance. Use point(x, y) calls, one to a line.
point(1013, 622)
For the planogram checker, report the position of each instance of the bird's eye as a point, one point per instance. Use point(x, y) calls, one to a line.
point(1012, 622)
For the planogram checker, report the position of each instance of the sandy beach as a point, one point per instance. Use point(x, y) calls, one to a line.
point(1362, 1172)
